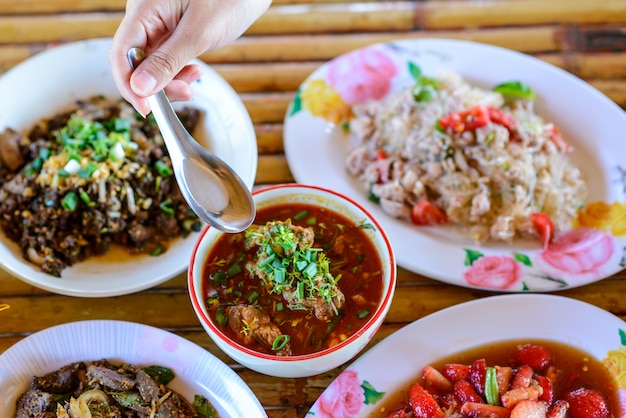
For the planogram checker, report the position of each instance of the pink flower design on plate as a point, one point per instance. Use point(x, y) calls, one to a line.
point(362, 75)
point(343, 398)
point(494, 272)
point(580, 251)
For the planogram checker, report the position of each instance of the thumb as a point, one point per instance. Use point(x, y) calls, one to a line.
point(160, 67)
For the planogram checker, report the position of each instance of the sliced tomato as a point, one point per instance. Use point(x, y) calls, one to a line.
point(426, 213)
point(545, 228)
point(381, 154)
point(502, 118)
point(423, 403)
point(555, 136)
point(467, 120)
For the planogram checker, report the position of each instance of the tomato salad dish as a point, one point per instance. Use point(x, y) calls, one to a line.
point(511, 380)
point(301, 279)
point(88, 178)
point(443, 151)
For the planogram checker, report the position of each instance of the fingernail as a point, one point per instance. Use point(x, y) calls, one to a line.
point(144, 83)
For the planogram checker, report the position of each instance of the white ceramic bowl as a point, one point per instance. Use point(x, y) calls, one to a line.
point(322, 361)
point(52, 81)
point(197, 371)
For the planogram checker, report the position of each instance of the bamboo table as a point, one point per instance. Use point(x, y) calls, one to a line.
point(265, 67)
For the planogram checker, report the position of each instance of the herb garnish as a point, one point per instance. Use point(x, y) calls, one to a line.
point(287, 261)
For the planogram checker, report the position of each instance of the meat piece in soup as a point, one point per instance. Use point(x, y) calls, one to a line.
point(300, 280)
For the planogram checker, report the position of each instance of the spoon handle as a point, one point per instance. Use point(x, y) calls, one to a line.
point(165, 116)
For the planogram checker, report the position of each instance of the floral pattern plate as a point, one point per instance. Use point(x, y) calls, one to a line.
point(197, 371)
point(316, 144)
point(398, 360)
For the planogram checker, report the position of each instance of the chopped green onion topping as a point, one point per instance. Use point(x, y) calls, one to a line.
point(166, 206)
point(220, 316)
point(363, 313)
point(253, 296)
point(162, 168)
point(158, 250)
point(87, 171)
point(85, 198)
point(301, 215)
point(234, 270)
point(280, 342)
point(219, 277)
point(69, 201)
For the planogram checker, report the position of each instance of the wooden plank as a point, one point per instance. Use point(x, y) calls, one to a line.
point(340, 17)
point(61, 28)
point(59, 6)
point(273, 169)
point(465, 14)
point(269, 138)
point(283, 76)
point(65, 6)
point(324, 47)
point(267, 108)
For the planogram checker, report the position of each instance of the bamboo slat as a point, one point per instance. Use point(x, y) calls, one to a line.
point(57, 28)
point(297, 48)
point(59, 6)
point(336, 18)
point(463, 14)
point(67, 6)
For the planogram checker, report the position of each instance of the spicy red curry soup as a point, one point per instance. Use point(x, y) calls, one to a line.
point(301, 279)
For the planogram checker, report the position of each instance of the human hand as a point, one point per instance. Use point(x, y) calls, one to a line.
point(172, 33)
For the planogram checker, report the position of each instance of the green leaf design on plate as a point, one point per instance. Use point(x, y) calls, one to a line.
point(296, 105)
point(525, 287)
point(622, 336)
point(471, 256)
point(415, 70)
point(371, 395)
point(522, 258)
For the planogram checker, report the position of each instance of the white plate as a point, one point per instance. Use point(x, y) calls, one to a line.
point(398, 360)
point(52, 81)
point(197, 371)
point(593, 124)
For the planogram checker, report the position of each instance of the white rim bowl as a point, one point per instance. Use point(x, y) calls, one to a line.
point(310, 364)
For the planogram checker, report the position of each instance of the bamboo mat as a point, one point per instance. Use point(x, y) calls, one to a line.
point(266, 66)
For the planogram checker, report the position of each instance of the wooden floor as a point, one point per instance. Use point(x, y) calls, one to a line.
point(266, 66)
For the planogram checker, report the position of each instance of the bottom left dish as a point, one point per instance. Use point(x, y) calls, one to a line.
point(196, 371)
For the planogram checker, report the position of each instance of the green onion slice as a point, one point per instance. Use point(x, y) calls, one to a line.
point(491, 387)
point(162, 168)
point(69, 201)
point(301, 215)
point(280, 342)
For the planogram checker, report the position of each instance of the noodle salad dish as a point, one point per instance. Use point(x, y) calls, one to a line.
point(441, 151)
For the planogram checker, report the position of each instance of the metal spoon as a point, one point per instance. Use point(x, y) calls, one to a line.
point(212, 189)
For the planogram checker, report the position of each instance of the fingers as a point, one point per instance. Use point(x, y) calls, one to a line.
point(179, 89)
point(172, 33)
point(130, 33)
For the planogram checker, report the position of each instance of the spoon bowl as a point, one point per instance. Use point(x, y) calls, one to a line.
point(213, 190)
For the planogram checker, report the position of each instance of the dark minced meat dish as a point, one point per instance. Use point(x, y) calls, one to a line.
point(101, 389)
point(88, 178)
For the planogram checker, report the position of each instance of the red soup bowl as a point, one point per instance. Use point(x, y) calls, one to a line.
point(300, 292)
